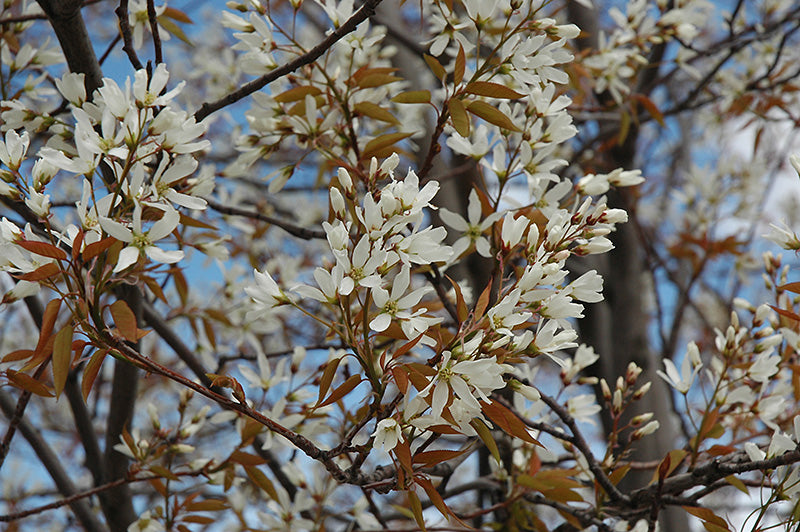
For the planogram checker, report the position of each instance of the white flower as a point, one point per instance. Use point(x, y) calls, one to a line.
point(473, 229)
point(396, 305)
point(148, 92)
point(72, 87)
point(466, 379)
point(784, 237)
point(583, 407)
point(513, 228)
point(145, 523)
point(753, 452)
point(266, 291)
point(502, 316)
point(143, 241)
point(360, 270)
point(13, 150)
point(779, 444)
point(387, 434)
point(680, 381)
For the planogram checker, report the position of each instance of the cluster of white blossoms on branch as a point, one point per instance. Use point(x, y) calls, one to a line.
point(377, 246)
point(135, 155)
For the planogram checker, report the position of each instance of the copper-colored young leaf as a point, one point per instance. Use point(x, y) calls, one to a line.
point(483, 302)
point(261, 480)
point(177, 14)
point(383, 141)
point(208, 505)
point(429, 458)
point(41, 273)
point(200, 519)
point(44, 249)
point(400, 378)
point(790, 287)
point(785, 313)
point(435, 66)
point(26, 382)
point(406, 347)
point(707, 516)
point(194, 222)
point(62, 359)
point(434, 496)
point(173, 28)
point(296, 94)
point(375, 111)
point(246, 459)
point(327, 378)
point(416, 509)
point(249, 430)
point(460, 64)
point(90, 372)
point(124, 320)
point(624, 127)
point(163, 472)
point(345, 388)
point(738, 484)
point(95, 248)
point(423, 96)
point(45, 342)
point(649, 106)
point(491, 114)
point(461, 305)
point(377, 80)
point(19, 354)
point(486, 437)
point(403, 453)
point(181, 286)
point(459, 116)
point(507, 421)
point(492, 90)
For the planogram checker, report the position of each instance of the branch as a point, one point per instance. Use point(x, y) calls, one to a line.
point(127, 37)
point(299, 441)
point(82, 495)
point(294, 230)
point(52, 463)
point(366, 11)
point(65, 17)
point(583, 447)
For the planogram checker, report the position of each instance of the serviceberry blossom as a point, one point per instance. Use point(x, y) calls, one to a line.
point(387, 434)
point(142, 241)
point(473, 228)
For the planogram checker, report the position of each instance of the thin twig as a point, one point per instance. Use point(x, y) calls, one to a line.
point(366, 11)
point(127, 37)
point(294, 230)
point(151, 16)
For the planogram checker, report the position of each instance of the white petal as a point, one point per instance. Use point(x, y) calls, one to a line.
point(116, 229)
point(127, 256)
point(167, 257)
point(380, 323)
point(165, 225)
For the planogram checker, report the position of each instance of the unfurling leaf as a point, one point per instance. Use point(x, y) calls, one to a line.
point(62, 351)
